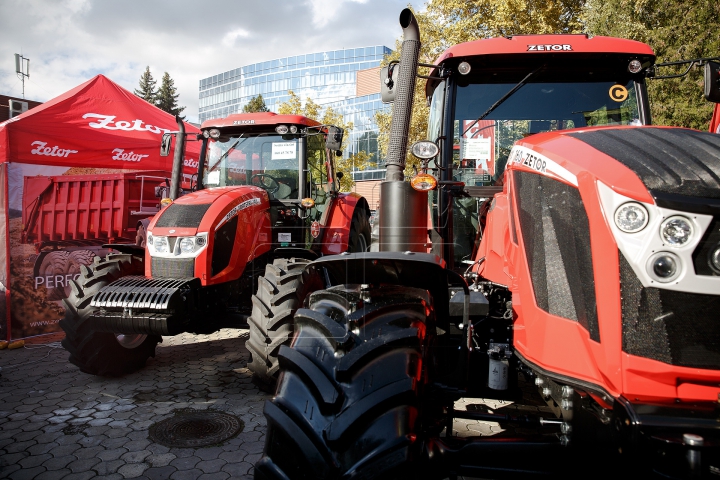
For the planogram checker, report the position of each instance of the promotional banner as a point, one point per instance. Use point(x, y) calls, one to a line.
point(715, 121)
point(4, 253)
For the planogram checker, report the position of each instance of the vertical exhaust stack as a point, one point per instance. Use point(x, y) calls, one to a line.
point(403, 210)
point(178, 158)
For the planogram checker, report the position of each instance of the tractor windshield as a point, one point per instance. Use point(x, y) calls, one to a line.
point(268, 161)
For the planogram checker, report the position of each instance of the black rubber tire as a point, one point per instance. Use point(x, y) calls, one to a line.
point(141, 236)
point(348, 403)
point(75, 261)
point(101, 353)
point(281, 291)
point(360, 232)
point(54, 264)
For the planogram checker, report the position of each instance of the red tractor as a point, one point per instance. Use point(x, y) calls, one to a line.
point(557, 249)
point(264, 205)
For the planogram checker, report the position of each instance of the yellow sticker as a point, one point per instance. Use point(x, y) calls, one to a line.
point(618, 93)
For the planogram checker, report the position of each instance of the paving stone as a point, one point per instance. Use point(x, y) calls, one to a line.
point(30, 461)
point(58, 463)
point(160, 459)
point(237, 469)
point(63, 450)
point(113, 454)
point(137, 444)
point(186, 474)
point(185, 463)
point(135, 457)
point(114, 476)
point(115, 442)
point(211, 466)
point(132, 470)
point(160, 473)
point(87, 475)
point(52, 474)
point(107, 468)
point(214, 476)
point(26, 473)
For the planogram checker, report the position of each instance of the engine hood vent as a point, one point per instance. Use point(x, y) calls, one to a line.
point(179, 215)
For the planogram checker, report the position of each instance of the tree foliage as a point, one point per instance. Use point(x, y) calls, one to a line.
point(328, 116)
point(256, 104)
point(146, 89)
point(167, 96)
point(675, 30)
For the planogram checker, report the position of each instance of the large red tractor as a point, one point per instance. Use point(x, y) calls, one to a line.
point(265, 203)
point(574, 249)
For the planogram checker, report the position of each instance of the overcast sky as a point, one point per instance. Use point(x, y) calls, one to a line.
point(70, 41)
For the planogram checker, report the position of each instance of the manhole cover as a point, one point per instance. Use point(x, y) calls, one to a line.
point(195, 429)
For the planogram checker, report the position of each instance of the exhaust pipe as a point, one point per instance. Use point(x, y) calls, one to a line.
point(178, 158)
point(402, 108)
point(403, 210)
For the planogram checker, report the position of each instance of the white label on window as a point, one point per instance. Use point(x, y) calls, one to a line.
point(283, 150)
point(476, 148)
point(284, 237)
point(213, 178)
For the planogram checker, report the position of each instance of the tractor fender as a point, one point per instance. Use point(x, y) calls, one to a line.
point(336, 233)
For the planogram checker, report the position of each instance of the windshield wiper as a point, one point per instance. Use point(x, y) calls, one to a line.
point(504, 97)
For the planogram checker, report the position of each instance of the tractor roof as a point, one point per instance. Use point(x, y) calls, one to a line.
point(255, 119)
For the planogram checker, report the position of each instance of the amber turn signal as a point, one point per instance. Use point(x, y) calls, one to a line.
point(165, 202)
point(307, 202)
point(423, 182)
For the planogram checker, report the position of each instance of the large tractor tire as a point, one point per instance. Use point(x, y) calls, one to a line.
point(55, 264)
point(281, 291)
point(102, 353)
point(348, 403)
point(360, 232)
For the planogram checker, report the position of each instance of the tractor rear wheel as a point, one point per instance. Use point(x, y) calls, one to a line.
point(348, 404)
point(360, 231)
point(102, 353)
point(281, 291)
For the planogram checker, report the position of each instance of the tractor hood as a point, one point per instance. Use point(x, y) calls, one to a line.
point(207, 210)
point(650, 164)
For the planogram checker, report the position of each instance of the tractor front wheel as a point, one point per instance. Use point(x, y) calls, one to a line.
point(102, 353)
point(348, 404)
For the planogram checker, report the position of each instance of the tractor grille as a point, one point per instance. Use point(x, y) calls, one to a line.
point(672, 327)
point(173, 267)
point(556, 236)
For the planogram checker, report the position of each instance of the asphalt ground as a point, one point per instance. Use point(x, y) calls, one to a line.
point(59, 423)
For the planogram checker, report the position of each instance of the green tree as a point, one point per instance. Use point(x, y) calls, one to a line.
point(167, 96)
point(256, 104)
point(675, 31)
point(328, 116)
point(444, 23)
point(147, 90)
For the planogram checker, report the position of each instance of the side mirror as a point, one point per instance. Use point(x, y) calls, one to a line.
point(165, 144)
point(334, 138)
point(388, 82)
point(712, 82)
point(339, 175)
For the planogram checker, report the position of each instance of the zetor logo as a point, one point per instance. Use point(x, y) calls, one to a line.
point(127, 157)
point(41, 149)
point(108, 123)
point(190, 162)
point(548, 48)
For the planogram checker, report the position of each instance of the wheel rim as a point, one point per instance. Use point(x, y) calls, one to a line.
point(130, 341)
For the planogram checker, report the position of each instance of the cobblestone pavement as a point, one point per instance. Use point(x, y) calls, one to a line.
point(59, 423)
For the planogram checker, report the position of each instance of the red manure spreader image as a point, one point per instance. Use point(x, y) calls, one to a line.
point(558, 257)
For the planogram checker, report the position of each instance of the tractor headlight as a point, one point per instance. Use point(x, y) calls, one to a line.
point(714, 259)
point(676, 231)
point(664, 267)
point(187, 245)
point(160, 244)
point(631, 217)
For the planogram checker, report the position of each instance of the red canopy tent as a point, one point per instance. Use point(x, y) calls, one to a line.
point(715, 121)
point(92, 133)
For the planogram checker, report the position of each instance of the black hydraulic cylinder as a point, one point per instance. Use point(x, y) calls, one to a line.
point(178, 158)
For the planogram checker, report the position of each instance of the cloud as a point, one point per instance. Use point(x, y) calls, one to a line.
point(324, 11)
point(231, 37)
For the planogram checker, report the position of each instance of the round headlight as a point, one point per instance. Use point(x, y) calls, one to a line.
point(631, 217)
point(714, 259)
point(464, 68)
point(676, 231)
point(206, 134)
point(281, 129)
point(214, 133)
point(664, 267)
point(200, 241)
point(293, 129)
point(634, 66)
point(160, 244)
point(187, 245)
point(424, 149)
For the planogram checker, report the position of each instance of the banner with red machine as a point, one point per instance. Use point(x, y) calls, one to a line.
point(79, 171)
point(715, 121)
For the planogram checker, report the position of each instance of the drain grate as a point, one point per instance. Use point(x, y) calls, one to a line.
point(195, 428)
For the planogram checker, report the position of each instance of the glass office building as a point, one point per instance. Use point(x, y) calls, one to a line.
point(346, 80)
